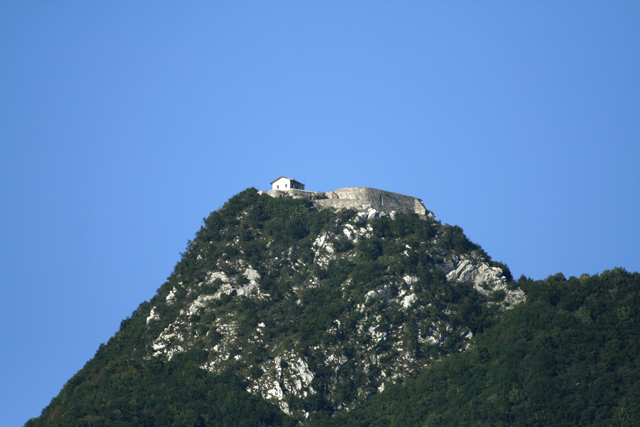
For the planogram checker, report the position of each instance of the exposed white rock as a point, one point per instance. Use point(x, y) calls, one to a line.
point(301, 375)
point(322, 242)
point(410, 280)
point(287, 373)
point(371, 213)
point(251, 274)
point(408, 300)
point(374, 295)
point(170, 341)
point(198, 303)
point(377, 335)
point(484, 277)
point(153, 315)
point(349, 231)
point(275, 394)
point(217, 275)
point(514, 297)
point(227, 288)
point(324, 251)
point(172, 296)
point(469, 270)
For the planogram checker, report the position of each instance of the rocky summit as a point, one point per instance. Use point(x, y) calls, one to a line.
point(302, 307)
point(343, 301)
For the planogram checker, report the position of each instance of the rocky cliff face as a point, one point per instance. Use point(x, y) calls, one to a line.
point(317, 310)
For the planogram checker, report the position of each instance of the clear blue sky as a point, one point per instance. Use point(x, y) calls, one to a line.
point(123, 124)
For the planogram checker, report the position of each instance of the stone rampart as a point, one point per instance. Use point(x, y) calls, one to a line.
point(363, 198)
point(359, 198)
point(294, 193)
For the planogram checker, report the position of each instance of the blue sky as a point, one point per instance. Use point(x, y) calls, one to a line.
point(123, 124)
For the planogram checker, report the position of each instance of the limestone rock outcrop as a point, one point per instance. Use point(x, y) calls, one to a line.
point(485, 278)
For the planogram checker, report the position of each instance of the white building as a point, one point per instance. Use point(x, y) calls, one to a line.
point(283, 184)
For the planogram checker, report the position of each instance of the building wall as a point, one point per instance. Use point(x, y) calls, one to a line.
point(281, 182)
point(288, 182)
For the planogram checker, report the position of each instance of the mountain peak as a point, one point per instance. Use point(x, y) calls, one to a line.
point(345, 291)
point(293, 307)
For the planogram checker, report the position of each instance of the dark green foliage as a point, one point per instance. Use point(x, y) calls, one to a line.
point(119, 387)
point(570, 355)
point(454, 239)
point(130, 392)
point(369, 249)
point(505, 269)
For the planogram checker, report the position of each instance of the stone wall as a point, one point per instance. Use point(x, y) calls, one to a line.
point(363, 198)
point(296, 194)
point(358, 198)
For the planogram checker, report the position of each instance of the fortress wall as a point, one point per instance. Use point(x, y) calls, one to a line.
point(364, 198)
point(296, 194)
point(358, 198)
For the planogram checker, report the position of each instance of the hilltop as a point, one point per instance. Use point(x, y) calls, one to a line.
point(328, 308)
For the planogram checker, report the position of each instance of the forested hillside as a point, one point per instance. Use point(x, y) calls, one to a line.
point(568, 356)
point(278, 314)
